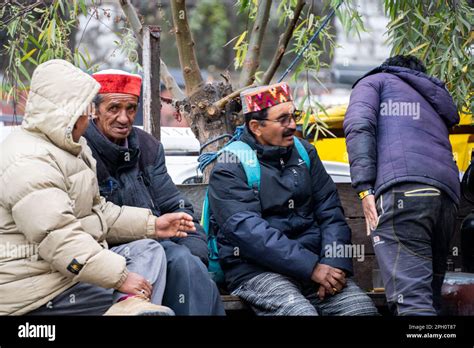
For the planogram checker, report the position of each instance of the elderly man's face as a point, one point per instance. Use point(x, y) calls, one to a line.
point(115, 115)
point(278, 128)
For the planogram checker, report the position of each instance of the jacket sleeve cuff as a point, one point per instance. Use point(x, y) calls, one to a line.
point(307, 267)
point(122, 279)
point(150, 227)
point(363, 187)
point(105, 269)
point(344, 264)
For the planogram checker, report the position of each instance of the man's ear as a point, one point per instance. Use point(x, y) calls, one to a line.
point(254, 126)
point(95, 112)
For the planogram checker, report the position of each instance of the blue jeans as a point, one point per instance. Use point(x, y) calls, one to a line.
point(411, 243)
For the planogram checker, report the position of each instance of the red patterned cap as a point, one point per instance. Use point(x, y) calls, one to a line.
point(262, 97)
point(118, 81)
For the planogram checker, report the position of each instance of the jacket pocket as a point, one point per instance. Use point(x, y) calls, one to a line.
point(423, 192)
point(379, 206)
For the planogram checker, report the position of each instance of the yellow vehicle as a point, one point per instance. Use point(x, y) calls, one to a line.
point(334, 149)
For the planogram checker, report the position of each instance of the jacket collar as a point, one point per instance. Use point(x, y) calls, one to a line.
point(268, 154)
point(113, 155)
point(429, 87)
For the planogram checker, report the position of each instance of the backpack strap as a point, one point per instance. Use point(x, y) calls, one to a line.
point(205, 215)
point(248, 159)
point(302, 151)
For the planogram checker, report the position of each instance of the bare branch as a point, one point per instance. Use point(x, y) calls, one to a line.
point(24, 11)
point(283, 44)
point(170, 82)
point(185, 43)
point(252, 59)
point(133, 19)
point(165, 75)
point(215, 108)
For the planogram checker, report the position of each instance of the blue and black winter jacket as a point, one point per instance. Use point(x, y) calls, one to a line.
point(284, 227)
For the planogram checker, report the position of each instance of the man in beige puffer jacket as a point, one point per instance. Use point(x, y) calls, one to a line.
point(54, 226)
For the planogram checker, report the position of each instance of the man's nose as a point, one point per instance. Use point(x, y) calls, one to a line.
point(122, 117)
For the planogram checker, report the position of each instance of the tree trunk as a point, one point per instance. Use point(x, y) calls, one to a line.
point(151, 81)
point(252, 59)
point(185, 43)
point(208, 126)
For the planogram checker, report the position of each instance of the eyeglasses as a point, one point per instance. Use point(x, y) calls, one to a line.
point(285, 120)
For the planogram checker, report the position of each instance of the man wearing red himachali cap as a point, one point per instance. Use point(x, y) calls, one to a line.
point(131, 171)
point(290, 229)
point(52, 212)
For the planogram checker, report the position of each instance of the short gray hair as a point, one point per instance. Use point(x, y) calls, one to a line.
point(98, 99)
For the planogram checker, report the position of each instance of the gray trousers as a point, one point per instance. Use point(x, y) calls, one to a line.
point(411, 243)
point(145, 257)
point(275, 294)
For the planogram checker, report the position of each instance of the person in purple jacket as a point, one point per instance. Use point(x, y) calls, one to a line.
point(402, 167)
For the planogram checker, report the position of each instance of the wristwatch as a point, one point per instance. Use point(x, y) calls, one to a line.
point(365, 193)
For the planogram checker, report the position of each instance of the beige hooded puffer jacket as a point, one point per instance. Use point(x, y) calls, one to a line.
point(54, 226)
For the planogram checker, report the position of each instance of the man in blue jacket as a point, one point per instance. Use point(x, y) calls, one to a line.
point(131, 171)
point(275, 242)
point(402, 166)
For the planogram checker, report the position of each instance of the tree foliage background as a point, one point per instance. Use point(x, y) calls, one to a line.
point(252, 39)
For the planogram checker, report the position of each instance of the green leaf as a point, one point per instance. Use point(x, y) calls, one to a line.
point(82, 4)
point(28, 55)
point(244, 5)
point(24, 72)
point(34, 41)
point(310, 129)
point(316, 135)
point(419, 47)
point(83, 59)
point(420, 17)
point(241, 39)
point(61, 5)
point(393, 23)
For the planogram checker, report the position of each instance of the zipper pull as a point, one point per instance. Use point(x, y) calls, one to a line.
point(282, 163)
point(295, 176)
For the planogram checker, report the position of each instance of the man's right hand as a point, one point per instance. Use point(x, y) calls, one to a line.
point(174, 225)
point(332, 279)
point(135, 284)
point(370, 213)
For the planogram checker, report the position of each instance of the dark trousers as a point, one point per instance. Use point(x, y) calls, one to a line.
point(189, 288)
point(411, 242)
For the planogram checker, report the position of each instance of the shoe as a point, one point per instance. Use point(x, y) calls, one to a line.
point(138, 306)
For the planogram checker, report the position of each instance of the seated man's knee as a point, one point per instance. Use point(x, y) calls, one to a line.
point(357, 302)
point(148, 248)
point(179, 257)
